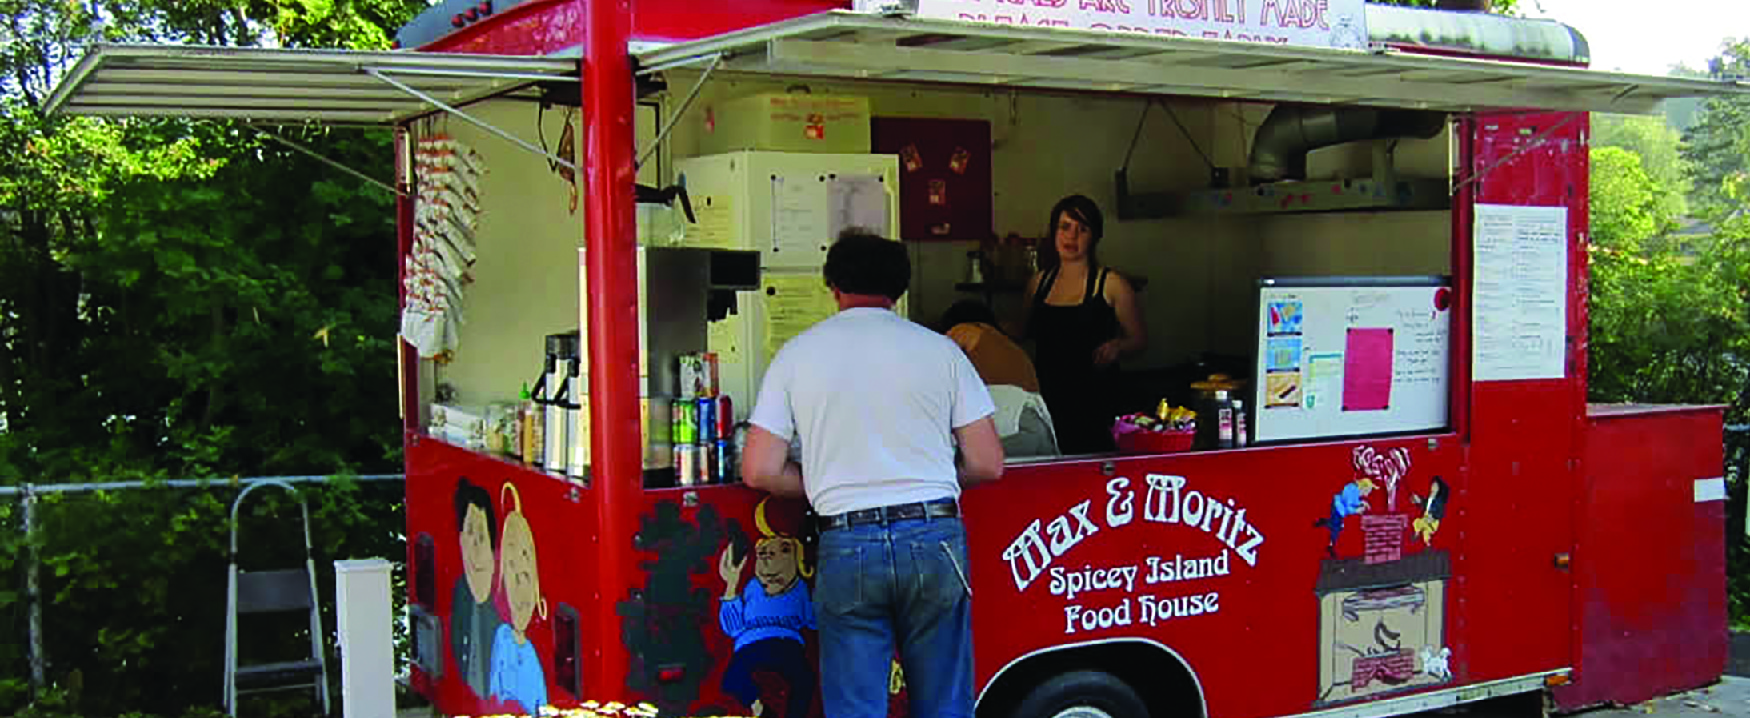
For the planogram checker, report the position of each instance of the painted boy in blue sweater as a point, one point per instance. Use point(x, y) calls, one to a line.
point(1352, 500)
point(767, 622)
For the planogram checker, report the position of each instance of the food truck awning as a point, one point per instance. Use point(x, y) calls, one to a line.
point(274, 84)
point(850, 45)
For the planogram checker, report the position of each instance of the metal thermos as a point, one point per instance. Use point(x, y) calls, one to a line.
point(558, 452)
point(560, 381)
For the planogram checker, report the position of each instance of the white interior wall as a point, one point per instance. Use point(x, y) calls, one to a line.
point(1201, 271)
point(525, 278)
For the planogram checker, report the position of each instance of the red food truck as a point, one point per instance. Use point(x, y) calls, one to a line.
point(1369, 222)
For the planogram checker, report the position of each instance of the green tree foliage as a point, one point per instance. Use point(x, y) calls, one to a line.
point(177, 300)
point(134, 614)
point(1717, 145)
point(1669, 317)
point(1668, 323)
point(1668, 320)
point(166, 301)
point(1656, 144)
point(1499, 7)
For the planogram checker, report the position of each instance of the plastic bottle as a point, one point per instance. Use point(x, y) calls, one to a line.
point(1224, 421)
point(533, 422)
point(1239, 410)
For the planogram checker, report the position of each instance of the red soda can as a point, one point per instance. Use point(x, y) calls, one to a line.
point(725, 417)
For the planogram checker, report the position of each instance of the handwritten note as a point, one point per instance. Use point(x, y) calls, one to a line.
point(794, 302)
point(1419, 351)
point(1367, 370)
point(1521, 304)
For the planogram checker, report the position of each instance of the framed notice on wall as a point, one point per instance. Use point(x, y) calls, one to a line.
point(1519, 324)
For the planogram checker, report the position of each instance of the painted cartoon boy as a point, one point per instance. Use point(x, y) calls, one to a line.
point(767, 623)
point(1352, 500)
point(517, 677)
point(474, 620)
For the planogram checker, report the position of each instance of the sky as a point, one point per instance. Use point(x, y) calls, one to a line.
point(1649, 37)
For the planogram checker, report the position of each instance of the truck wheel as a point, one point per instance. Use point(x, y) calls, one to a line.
point(1082, 694)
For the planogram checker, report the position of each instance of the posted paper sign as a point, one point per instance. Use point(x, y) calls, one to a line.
point(1520, 319)
point(1318, 23)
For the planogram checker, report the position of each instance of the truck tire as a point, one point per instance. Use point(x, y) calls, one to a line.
point(1082, 694)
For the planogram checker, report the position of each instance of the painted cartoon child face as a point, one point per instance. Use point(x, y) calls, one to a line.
point(477, 558)
point(522, 584)
point(776, 564)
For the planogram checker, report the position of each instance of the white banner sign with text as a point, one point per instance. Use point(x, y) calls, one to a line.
point(1318, 23)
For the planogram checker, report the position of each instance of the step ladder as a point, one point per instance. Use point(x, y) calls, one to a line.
point(265, 592)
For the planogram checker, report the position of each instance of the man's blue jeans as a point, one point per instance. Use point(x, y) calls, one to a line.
point(904, 582)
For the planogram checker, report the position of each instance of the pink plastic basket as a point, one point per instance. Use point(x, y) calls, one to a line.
point(1155, 442)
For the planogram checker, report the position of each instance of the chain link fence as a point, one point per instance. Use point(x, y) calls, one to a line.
point(116, 590)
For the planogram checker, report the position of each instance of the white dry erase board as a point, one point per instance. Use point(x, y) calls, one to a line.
point(1352, 356)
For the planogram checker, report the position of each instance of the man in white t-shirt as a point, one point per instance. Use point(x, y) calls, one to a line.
point(879, 404)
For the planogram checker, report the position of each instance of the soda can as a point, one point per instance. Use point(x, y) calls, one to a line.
point(686, 423)
point(707, 413)
point(725, 417)
point(722, 468)
point(706, 466)
point(687, 465)
point(675, 415)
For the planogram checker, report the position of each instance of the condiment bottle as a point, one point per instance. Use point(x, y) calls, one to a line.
point(534, 424)
point(1239, 422)
point(1224, 421)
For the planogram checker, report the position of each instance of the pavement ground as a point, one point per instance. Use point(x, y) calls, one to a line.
point(1729, 698)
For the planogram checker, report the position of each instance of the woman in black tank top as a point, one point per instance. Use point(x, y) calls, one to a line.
point(1083, 317)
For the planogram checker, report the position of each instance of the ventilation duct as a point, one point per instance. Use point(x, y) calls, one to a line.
point(1291, 131)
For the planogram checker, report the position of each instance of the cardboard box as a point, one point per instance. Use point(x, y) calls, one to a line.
point(780, 122)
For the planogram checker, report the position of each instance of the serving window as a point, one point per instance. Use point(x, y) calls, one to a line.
point(1188, 230)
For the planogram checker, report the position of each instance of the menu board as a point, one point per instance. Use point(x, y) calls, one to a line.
point(1352, 356)
point(1521, 318)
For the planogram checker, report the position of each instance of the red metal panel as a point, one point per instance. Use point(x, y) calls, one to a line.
point(690, 20)
point(670, 621)
point(542, 28)
point(1277, 590)
point(532, 28)
point(611, 299)
point(1514, 602)
point(1280, 598)
point(1650, 563)
point(559, 516)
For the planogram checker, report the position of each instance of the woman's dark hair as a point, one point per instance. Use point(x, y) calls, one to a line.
point(863, 263)
point(467, 494)
point(1081, 209)
point(966, 311)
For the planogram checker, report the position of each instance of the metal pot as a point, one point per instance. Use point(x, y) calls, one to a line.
point(1207, 404)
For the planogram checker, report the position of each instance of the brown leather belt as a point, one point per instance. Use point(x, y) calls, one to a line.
point(938, 509)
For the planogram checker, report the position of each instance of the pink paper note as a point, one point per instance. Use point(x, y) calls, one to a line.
point(1367, 370)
